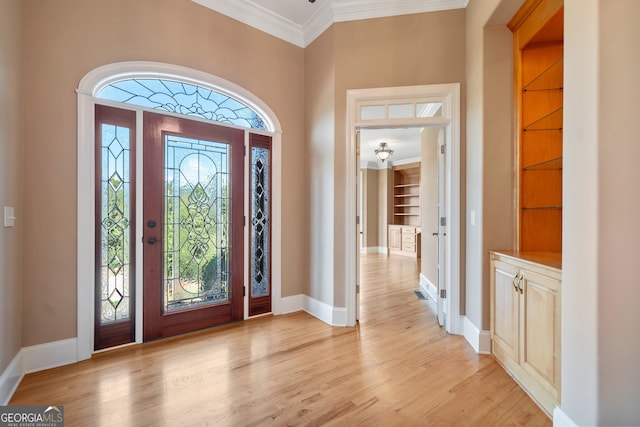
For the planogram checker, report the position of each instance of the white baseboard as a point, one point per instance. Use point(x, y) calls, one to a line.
point(560, 419)
point(49, 355)
point(479, 340)
point(339, 316)
point(33, 359)
point(334, 316)
point(11, 378)
point(291, 304)
point(318, 309)
point(430, 292)
point(376, 250)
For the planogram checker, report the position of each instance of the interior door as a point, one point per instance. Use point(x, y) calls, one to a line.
point(442, 230)
point(193, 225)
point(358, 223)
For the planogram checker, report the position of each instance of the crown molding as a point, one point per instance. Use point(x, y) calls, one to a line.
point(254, 15)
point(319, 22)
point(368, 9)
point(258, 17)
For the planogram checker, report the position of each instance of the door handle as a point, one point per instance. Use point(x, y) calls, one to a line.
point(434, 234)
point(520, 283)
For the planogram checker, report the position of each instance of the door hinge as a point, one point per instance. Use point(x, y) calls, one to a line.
point(441, 149)
point(244, 221)
point(443, 293)
point(244, 150)
point(244, 291)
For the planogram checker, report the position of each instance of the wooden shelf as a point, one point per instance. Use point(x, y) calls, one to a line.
point(552, 164)
point(406, 194)
point(549, 121)
point(539, 208)
point(549, 79)
point(539, 63)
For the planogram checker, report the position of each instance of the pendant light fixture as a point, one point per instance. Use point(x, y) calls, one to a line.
point(383, 152)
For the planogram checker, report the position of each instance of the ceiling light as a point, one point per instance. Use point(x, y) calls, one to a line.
point(383, 152)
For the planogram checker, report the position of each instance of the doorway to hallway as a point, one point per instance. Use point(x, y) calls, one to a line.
point(402, 107)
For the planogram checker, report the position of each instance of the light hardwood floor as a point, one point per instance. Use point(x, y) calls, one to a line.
point(397, 368)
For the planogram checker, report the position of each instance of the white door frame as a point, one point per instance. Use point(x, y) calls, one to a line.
point(449, 95)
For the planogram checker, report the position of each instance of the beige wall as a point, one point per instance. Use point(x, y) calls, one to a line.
point(65, 39)
point(11, 175)
point(490, 155)
point(319, 130)
point(417, 49)
point(601, 207)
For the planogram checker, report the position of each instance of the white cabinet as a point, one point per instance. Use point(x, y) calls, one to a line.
point(525, 321)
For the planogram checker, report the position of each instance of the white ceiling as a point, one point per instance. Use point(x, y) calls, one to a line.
point(405, 143)
point(300, 22)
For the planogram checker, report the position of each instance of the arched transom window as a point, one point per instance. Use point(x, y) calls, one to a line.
point(183, 98)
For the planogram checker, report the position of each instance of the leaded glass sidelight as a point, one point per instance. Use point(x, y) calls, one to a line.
point(260, 222)
point(115, 224)
point(183, 98)
point(197, 223)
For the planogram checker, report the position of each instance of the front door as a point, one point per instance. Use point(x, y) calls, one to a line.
point(193, 225)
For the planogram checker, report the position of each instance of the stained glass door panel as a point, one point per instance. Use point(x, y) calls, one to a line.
point(259, 224)
point(115, 227)
point(193, 217)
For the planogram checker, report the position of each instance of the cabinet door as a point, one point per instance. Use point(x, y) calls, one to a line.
point(540, 343)
point(505, 311)
point(395, 238)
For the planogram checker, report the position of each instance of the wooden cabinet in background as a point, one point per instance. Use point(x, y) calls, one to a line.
point(395, 238)
point(525, 321)
point(404, 240)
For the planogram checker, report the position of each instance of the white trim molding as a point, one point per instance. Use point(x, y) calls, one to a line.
point(36, 358)
point(292, 304)
point(375, 250)
point(333, 316)
point(428, 289)
point(49, 355)
point(429, 292)
point(479, 340)
point(560, 419)
point(10, 379)
point(326, 13)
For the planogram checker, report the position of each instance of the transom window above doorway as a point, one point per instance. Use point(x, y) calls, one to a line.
point(183, 98)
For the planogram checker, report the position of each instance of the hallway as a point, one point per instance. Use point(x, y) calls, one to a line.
point(397, 368)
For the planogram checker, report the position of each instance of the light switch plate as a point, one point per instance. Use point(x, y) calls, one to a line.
point(9, 216)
